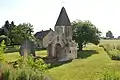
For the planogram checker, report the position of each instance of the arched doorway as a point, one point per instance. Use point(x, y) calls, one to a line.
point(57, 50)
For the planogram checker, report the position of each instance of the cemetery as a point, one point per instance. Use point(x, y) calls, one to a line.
point(70, 51)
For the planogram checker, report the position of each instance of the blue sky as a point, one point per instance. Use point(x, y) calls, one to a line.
point(42, 14)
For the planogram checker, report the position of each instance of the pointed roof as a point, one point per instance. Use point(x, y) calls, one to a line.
point(63, 19)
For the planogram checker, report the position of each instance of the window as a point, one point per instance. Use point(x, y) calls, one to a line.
point(70, 51)
point(57, 38)
point(63, 29)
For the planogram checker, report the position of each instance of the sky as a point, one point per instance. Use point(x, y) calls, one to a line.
point(43, 14)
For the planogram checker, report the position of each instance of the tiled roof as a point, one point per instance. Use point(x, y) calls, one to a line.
point(42, 34)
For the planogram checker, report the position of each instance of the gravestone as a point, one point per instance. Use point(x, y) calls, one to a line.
point(27, 48)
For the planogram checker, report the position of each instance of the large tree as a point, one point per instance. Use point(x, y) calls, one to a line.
point(20, 33)
point(85, 32)
point(109, 34)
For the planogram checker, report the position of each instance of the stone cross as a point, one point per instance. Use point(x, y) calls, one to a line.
point(27, 48)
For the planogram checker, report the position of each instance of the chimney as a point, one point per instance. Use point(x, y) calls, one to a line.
point(50, 29)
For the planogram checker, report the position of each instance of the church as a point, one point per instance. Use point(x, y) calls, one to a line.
point(58, 42)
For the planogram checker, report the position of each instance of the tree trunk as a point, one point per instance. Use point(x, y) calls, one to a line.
point(80, 47)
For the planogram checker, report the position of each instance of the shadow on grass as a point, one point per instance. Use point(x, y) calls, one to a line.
point(86, 53)
point(53, 61)
point(11, 51)
point(59, 63)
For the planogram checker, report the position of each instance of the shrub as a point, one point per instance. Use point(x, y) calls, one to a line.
point(114, 54)
point(26, 70)
point(112, 50)
point(118, 46)
point(23, 69)
point(30, 69)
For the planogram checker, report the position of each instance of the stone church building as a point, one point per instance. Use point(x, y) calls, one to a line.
point(59, 41)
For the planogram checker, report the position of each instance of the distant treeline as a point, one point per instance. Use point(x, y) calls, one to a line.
point(106, 38)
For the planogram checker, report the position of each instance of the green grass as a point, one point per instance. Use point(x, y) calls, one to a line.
point(90, 66)
point(10, 57)
point(109, 41)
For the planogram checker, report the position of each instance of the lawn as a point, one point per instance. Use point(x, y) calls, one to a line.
point(10, 57)
point(91, 65)
point(89, 68)
point(109, 41)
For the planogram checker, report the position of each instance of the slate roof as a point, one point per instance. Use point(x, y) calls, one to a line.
point(42, 34)
point(63, 19)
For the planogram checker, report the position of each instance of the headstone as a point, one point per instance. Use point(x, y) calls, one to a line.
point(27, 47)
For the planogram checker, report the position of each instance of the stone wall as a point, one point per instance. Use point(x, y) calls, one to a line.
point(47, 39)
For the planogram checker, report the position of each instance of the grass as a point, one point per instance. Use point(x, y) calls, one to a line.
point(91, 67)
point(112, 48)
point(91, 64)
point(10, 57)
point(109, 41)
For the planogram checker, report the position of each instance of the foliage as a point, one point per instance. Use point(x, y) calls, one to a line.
point(91, 67)
point(12, 49)
point(6, 73)
point(5, 38)
point(109, 34)
point(21, 32)
point(29, 69)
point(33, 63)
point(25, 70)
point(7, 29)
point(112, 50)
point(34, 67)
point(85, 32)
point(2, 48)
point(17, 33)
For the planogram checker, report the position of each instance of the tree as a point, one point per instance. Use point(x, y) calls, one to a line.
point(109, 34)
point(6, 27)
point(10, 35)
point(85, 32)
point(2, 31)
point(12, 24)
point(20, 33)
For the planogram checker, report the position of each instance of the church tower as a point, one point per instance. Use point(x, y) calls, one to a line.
point(63, 25)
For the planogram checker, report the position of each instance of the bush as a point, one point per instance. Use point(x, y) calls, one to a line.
point(114, 54)
point(26, 70)
point(23, 69)
point(118, 46)
point(112, 50)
